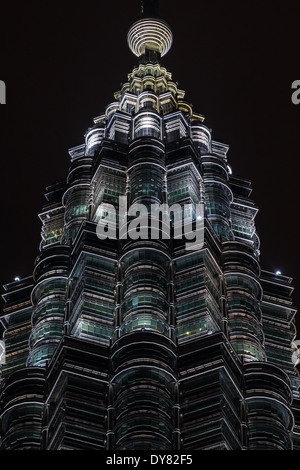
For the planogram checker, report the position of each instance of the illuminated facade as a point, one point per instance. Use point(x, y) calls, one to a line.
point(134, 344)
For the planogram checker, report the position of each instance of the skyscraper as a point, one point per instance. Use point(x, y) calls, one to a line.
point(134, 341)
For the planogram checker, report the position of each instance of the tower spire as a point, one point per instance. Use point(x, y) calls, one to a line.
point(150, 8)
point(150, 32)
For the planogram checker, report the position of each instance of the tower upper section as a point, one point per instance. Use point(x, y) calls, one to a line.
point(150, 32)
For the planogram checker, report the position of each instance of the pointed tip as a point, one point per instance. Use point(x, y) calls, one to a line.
point(150, 8)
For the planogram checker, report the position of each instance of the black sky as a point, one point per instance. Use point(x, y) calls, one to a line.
point(63, 60)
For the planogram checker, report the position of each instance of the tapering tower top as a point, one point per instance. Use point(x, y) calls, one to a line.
point(149, 32)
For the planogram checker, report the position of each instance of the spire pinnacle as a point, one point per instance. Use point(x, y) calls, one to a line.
point(150, 8)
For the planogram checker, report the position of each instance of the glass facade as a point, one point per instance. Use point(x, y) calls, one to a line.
point(136, 343)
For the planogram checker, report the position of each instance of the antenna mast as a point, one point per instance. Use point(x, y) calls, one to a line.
point(150, 8)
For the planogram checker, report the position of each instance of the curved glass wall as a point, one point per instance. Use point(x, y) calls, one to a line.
point(240, 257)
point(48, 298)
point(218, 209)
point(142, 299)
point(244, 292)
point(41, 355)
point(201, 136)
point(152, 349)
point(22, 409)
point(48, 310)
point(146, 257)
point(218, 195)
point(52, 329)
point(144, 321)
point(22, 426)
point(132, 402)
point(147, 124)
point(81, 172)
point(148, 279)
point(93, 140)
point(55, 264)
point(143, 399)
point(144, 291)
point(200, 326)
point(269, 398)
point(245, 284)
point(242, 324)
point(50, 288)
point(146, 181)
point(77, 204)
point(217, 202)
point(148, 100)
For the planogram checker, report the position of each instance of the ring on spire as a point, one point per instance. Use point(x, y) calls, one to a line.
point(150, 33)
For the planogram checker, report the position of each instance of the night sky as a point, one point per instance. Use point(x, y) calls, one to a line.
point(63, 60)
